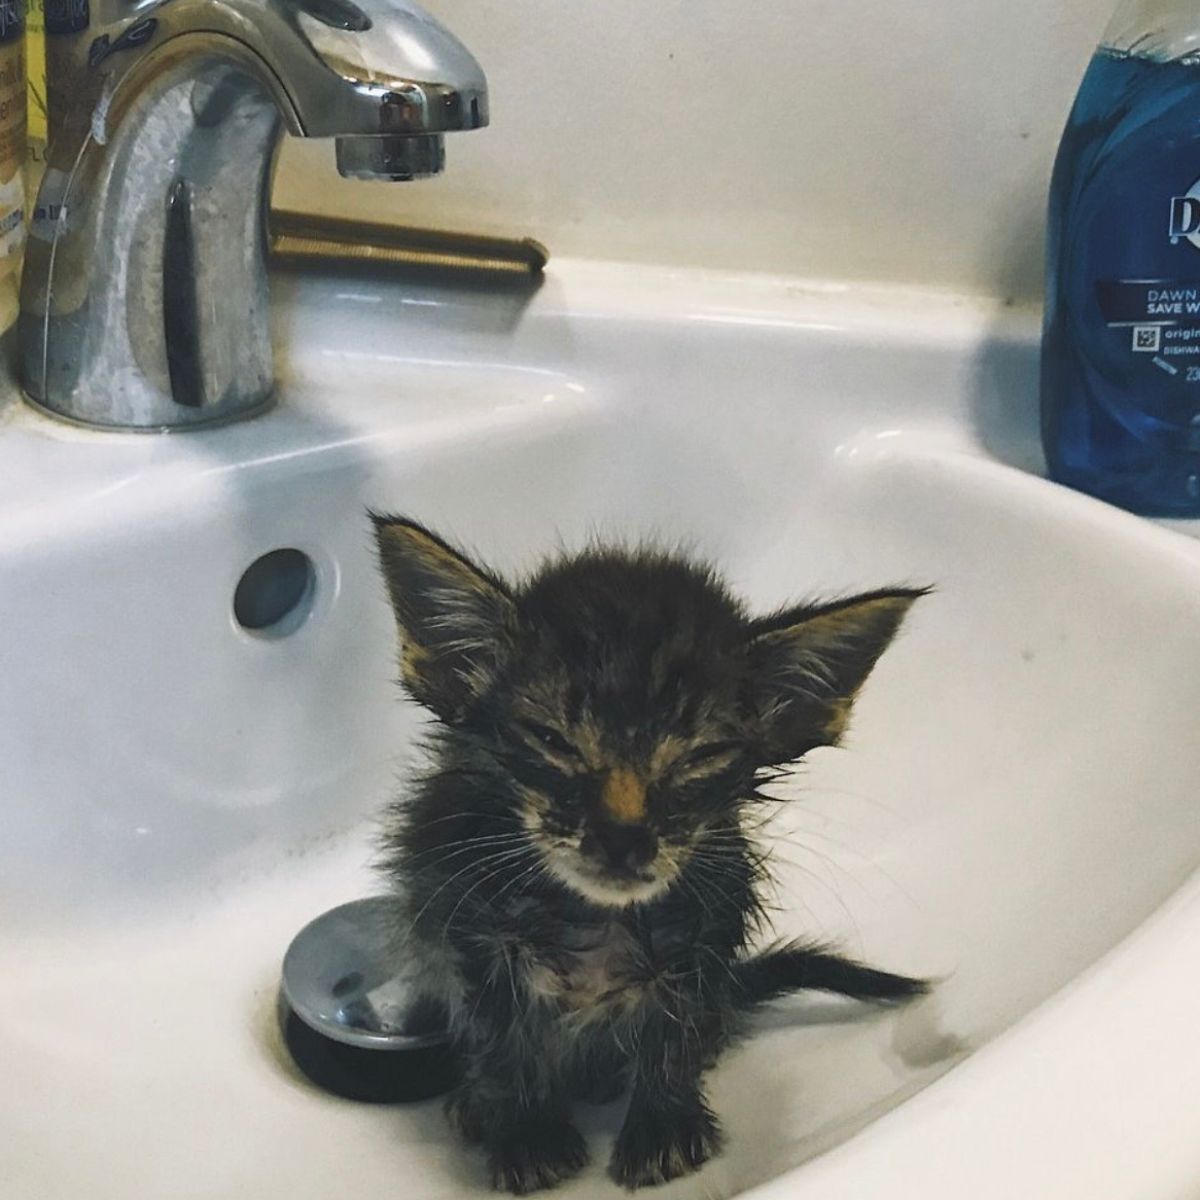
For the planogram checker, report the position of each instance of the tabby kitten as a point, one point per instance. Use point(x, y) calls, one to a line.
point(577, 884)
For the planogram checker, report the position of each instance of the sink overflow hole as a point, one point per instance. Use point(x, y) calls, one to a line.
point(275, 593)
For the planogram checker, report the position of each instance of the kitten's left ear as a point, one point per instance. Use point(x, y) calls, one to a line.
point(455, 618)
point(808, 664)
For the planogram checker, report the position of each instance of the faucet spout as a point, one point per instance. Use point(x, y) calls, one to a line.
point(144, 299)
point(397, 157)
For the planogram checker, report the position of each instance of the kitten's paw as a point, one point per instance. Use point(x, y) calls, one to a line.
point(655, 1149)
point(541, 1154)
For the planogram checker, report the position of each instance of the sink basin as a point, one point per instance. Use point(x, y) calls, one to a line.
point(1014, 812)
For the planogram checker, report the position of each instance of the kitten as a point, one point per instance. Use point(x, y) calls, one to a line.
point(577, 879)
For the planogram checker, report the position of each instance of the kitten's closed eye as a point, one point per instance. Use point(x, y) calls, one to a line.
point(707, 760)
point(549, 739)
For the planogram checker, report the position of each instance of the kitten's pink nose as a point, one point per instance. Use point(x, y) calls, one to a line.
point(623, 847)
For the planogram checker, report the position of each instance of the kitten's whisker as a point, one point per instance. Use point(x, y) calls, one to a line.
point(807, 833)
point(475, 840)
point(501, 864)
point(726, 965)
point(863, 861)
point(824, 789)
point(511, 865)
point(684, 882)
point(799, 841)
point(764, 844)
point(798, 837)
point(503, 818)
point(714, 877)
point(454, 849)
point(832, 891)
point(829, 885)
point(484, 862)
point(714, 872)
point(791, 823)
point(539, 865)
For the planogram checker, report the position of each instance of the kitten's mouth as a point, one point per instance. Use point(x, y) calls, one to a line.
point(605, 886)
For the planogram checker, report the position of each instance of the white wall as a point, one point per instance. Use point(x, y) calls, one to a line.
point(881, 139)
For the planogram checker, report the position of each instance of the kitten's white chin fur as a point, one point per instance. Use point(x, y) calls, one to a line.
point(602, 892)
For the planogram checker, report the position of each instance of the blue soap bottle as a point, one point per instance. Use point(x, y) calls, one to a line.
point(1121, 343)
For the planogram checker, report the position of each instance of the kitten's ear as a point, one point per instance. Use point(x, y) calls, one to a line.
point(808, 664)
point(455, 618)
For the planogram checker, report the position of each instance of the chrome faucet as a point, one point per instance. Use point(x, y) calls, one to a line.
point(144, 301)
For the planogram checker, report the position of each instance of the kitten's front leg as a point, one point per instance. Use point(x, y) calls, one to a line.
point(529, 1139)
point(512, 1100)
point(666, 1134)
point(669, 1130)
point(538, 1149)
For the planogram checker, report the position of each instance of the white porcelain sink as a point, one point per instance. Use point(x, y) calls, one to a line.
point(1015, 812)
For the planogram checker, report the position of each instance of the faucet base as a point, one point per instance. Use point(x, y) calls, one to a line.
point(213, 422)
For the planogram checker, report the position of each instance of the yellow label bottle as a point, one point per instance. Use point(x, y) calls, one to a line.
point(12, 154)
point(37, 126)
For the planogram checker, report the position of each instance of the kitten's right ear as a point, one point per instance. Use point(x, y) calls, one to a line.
point(808, 664)
point(455, 618)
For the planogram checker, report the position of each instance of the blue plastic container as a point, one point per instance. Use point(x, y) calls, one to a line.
point(1121, 346)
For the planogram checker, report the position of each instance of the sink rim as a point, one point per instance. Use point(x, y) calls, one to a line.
point(930, 1142)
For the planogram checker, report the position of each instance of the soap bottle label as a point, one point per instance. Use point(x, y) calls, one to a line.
point(12, 132)
point(1155, 317)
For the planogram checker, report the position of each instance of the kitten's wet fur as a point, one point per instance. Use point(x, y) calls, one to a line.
point(577, 880)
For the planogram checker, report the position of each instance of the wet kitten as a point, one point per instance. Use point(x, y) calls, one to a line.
point(577, 881)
